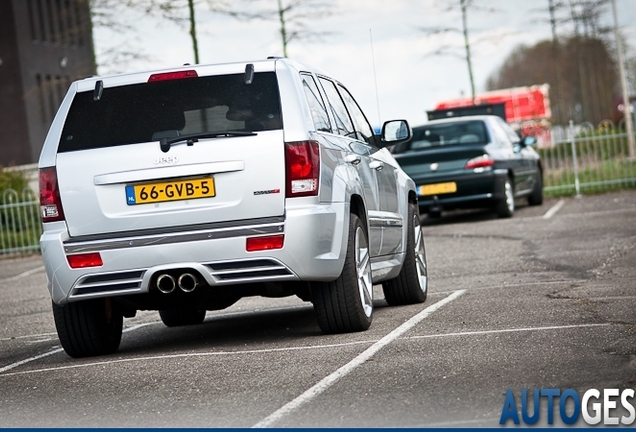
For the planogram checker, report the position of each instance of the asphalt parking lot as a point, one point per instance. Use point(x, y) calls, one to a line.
point(545, 300)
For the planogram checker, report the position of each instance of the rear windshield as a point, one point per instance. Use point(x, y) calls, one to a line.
point(133, 114)
point(456, 133)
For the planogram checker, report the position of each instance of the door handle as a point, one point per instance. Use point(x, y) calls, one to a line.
point(352, 159)
point(376, 165)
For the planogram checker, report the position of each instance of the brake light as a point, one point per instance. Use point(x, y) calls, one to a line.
point(254, 244)
point(302, 160)
point(480, 162)
point(85, 260)
point(50, 202)
point(167, 76)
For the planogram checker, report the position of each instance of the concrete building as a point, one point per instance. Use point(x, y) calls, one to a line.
point(44, 46)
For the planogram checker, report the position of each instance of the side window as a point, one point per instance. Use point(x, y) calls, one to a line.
point(343, 122)
point(362, 129)
point(316, 104)
point(512, 135)
point(500, 134)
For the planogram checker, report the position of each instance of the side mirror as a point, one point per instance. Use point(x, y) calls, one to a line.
point(395, 132)
point(529, 141)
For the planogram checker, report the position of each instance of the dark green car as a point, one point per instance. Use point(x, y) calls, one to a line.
point(471, 162)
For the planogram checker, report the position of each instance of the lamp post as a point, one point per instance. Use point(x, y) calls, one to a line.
point(629, 123)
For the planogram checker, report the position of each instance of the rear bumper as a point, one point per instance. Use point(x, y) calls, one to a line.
point(473, 190)
point(313, 249)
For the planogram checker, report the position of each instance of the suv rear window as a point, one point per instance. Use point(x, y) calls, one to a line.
point(134, 113)
point(456, 133)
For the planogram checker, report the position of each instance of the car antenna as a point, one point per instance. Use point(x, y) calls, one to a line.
point(375, 78)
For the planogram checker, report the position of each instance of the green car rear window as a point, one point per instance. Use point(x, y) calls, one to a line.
point(456, 133)
point(134, 113)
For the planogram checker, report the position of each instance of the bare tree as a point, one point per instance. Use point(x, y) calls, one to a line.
point(582, 50)
point(183, 13)
point(588, 97)
point(108, 14)
point(112, 14)
point(451, 50)
point(294, 17)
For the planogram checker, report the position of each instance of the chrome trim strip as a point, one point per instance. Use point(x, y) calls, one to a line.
point(140, 241)
point(168, 172)
point(174, 229)
point(385, 222)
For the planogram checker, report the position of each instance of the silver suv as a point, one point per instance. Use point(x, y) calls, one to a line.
point(187, 189)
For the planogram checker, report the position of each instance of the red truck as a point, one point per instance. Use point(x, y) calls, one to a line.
point(527, 109)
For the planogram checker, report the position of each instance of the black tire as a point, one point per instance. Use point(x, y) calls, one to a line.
point(89, 328)
point(505, 207)
point(182, 316)
point(346, 304)
point(411, 285)
point(536, 197)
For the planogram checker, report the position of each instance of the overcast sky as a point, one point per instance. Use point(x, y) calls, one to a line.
point(400, 63)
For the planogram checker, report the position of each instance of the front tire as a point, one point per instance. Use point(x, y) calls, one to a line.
point(89, 328)
point(346, 304)
point(411, 285)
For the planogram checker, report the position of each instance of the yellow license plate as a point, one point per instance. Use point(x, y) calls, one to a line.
point(176, 190)
point(438, 188)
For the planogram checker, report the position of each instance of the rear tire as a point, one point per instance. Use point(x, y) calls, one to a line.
point(505, 208)
point(411, 285)
point(182, 316)
point(89, 328)
point(346, 304)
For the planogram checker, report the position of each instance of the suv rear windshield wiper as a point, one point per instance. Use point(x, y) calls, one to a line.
point(190, 139)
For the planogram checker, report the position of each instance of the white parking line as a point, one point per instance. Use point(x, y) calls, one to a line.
point(38, 337)
point(555, 208)
point(23, 274)
point(330, 380)
point(54, 351)
point(181, 355)
point(30, 359)
point(526, 329)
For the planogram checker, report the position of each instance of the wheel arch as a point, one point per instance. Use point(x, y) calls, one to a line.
point(357, 207)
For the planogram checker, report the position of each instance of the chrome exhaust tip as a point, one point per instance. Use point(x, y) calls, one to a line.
point(166, 283)
point(187, 282)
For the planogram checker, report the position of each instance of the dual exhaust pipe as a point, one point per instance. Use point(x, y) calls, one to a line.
point(167, 283)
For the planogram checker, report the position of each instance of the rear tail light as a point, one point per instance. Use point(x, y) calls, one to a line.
point(302, 160)
point(50, 202)
point(254, 244)
point(85, 260)
point(480, 162)
point(167, 76)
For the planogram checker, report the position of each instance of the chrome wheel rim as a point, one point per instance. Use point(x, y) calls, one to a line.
point(510, 200)
point(420, 255)
point(363, 272)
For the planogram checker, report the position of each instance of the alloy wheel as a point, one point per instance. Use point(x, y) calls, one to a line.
point(363, 270)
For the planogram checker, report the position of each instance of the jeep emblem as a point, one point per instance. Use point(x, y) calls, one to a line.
point(161, 160)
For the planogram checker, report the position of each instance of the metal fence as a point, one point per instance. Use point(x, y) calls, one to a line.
point(579, 159)
point(20, 224)
point(588, 159)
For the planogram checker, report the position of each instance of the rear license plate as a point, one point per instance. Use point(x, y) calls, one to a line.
point(148, 193)
point(438, 188)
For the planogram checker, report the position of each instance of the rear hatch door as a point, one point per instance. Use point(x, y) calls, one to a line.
point(222, 157)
